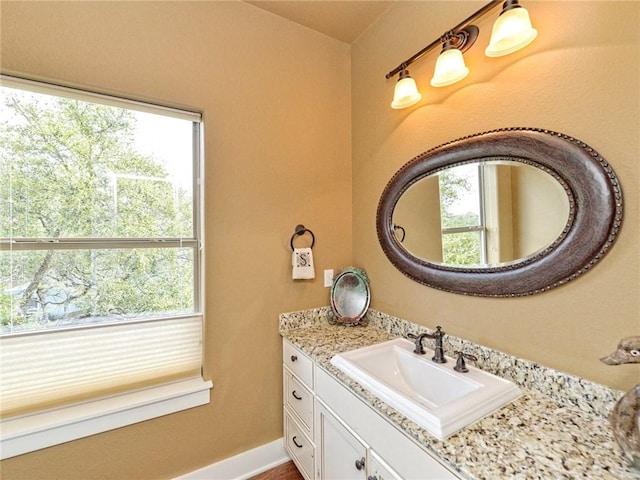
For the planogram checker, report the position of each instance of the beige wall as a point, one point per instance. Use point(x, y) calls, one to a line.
point(276, 103)
point(579, 77)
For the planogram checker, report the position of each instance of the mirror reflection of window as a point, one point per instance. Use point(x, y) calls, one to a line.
point(483, 214)
point(462, 215)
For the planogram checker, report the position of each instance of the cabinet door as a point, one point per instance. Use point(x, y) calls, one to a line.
point(406, 458)
point(340, 455)
point(379, 470)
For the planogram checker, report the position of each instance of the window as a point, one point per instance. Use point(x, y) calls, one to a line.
point(100, 246)
point(462, 215)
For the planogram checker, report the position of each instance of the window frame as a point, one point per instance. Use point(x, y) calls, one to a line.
point(32, 431)
point(481, 227)
point(195, 242)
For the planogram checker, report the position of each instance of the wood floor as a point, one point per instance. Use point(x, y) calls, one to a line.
point(287, 471)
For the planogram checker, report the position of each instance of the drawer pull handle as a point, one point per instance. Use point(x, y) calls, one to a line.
point(372, 477)
point(294, 358)
point(295, 443)
point(295, 395)
point(360, 463)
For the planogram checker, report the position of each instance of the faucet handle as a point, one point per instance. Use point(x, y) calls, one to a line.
point(460, 363)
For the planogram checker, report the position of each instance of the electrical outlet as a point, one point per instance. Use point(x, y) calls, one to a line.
point(328, 278)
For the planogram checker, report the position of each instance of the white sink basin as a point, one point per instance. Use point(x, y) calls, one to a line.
point(433, 395)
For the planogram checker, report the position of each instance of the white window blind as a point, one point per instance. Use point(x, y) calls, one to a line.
point(45, 368)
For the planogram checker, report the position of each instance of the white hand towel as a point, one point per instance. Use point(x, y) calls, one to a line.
point(302, 261)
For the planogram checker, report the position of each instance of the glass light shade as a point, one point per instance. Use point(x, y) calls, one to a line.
point(511, 32)
point(450, 68)
point(406, 93)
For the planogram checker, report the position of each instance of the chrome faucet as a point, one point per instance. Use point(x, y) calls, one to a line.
point(438, 351)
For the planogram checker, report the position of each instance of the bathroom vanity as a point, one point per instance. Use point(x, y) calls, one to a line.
point(335, 428)
point(329, 427)
point(356, 418)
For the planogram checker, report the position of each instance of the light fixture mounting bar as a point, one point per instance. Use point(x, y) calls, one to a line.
point(462, 39)
point(438, 41)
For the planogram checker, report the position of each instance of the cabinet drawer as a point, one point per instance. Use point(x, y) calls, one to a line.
point(298, 363)
point(299, 399)
point(299, 447)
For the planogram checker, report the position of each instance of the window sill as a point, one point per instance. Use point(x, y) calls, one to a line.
point(39, 430)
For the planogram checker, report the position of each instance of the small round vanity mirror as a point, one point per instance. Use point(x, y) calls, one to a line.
point(350, 296)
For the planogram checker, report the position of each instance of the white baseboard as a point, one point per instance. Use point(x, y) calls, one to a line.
point(244, 465)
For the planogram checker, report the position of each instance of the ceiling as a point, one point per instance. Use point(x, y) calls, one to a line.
point(342, 20)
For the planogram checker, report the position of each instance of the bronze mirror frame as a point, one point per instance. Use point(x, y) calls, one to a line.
point(595, 212)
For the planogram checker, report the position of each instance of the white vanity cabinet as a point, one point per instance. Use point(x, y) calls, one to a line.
point(340, 454)
point(298, 400)
point(388, 453)
point(333, 435)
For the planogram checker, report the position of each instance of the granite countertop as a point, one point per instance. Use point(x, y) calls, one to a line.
point(556, 429)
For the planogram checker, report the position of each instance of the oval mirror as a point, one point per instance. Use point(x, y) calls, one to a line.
point(521, 237)
point(350, 296)
point(481, 214)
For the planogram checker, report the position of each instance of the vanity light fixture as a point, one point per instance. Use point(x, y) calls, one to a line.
point(450, 66)
point(406, 92)
point(511, 32)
